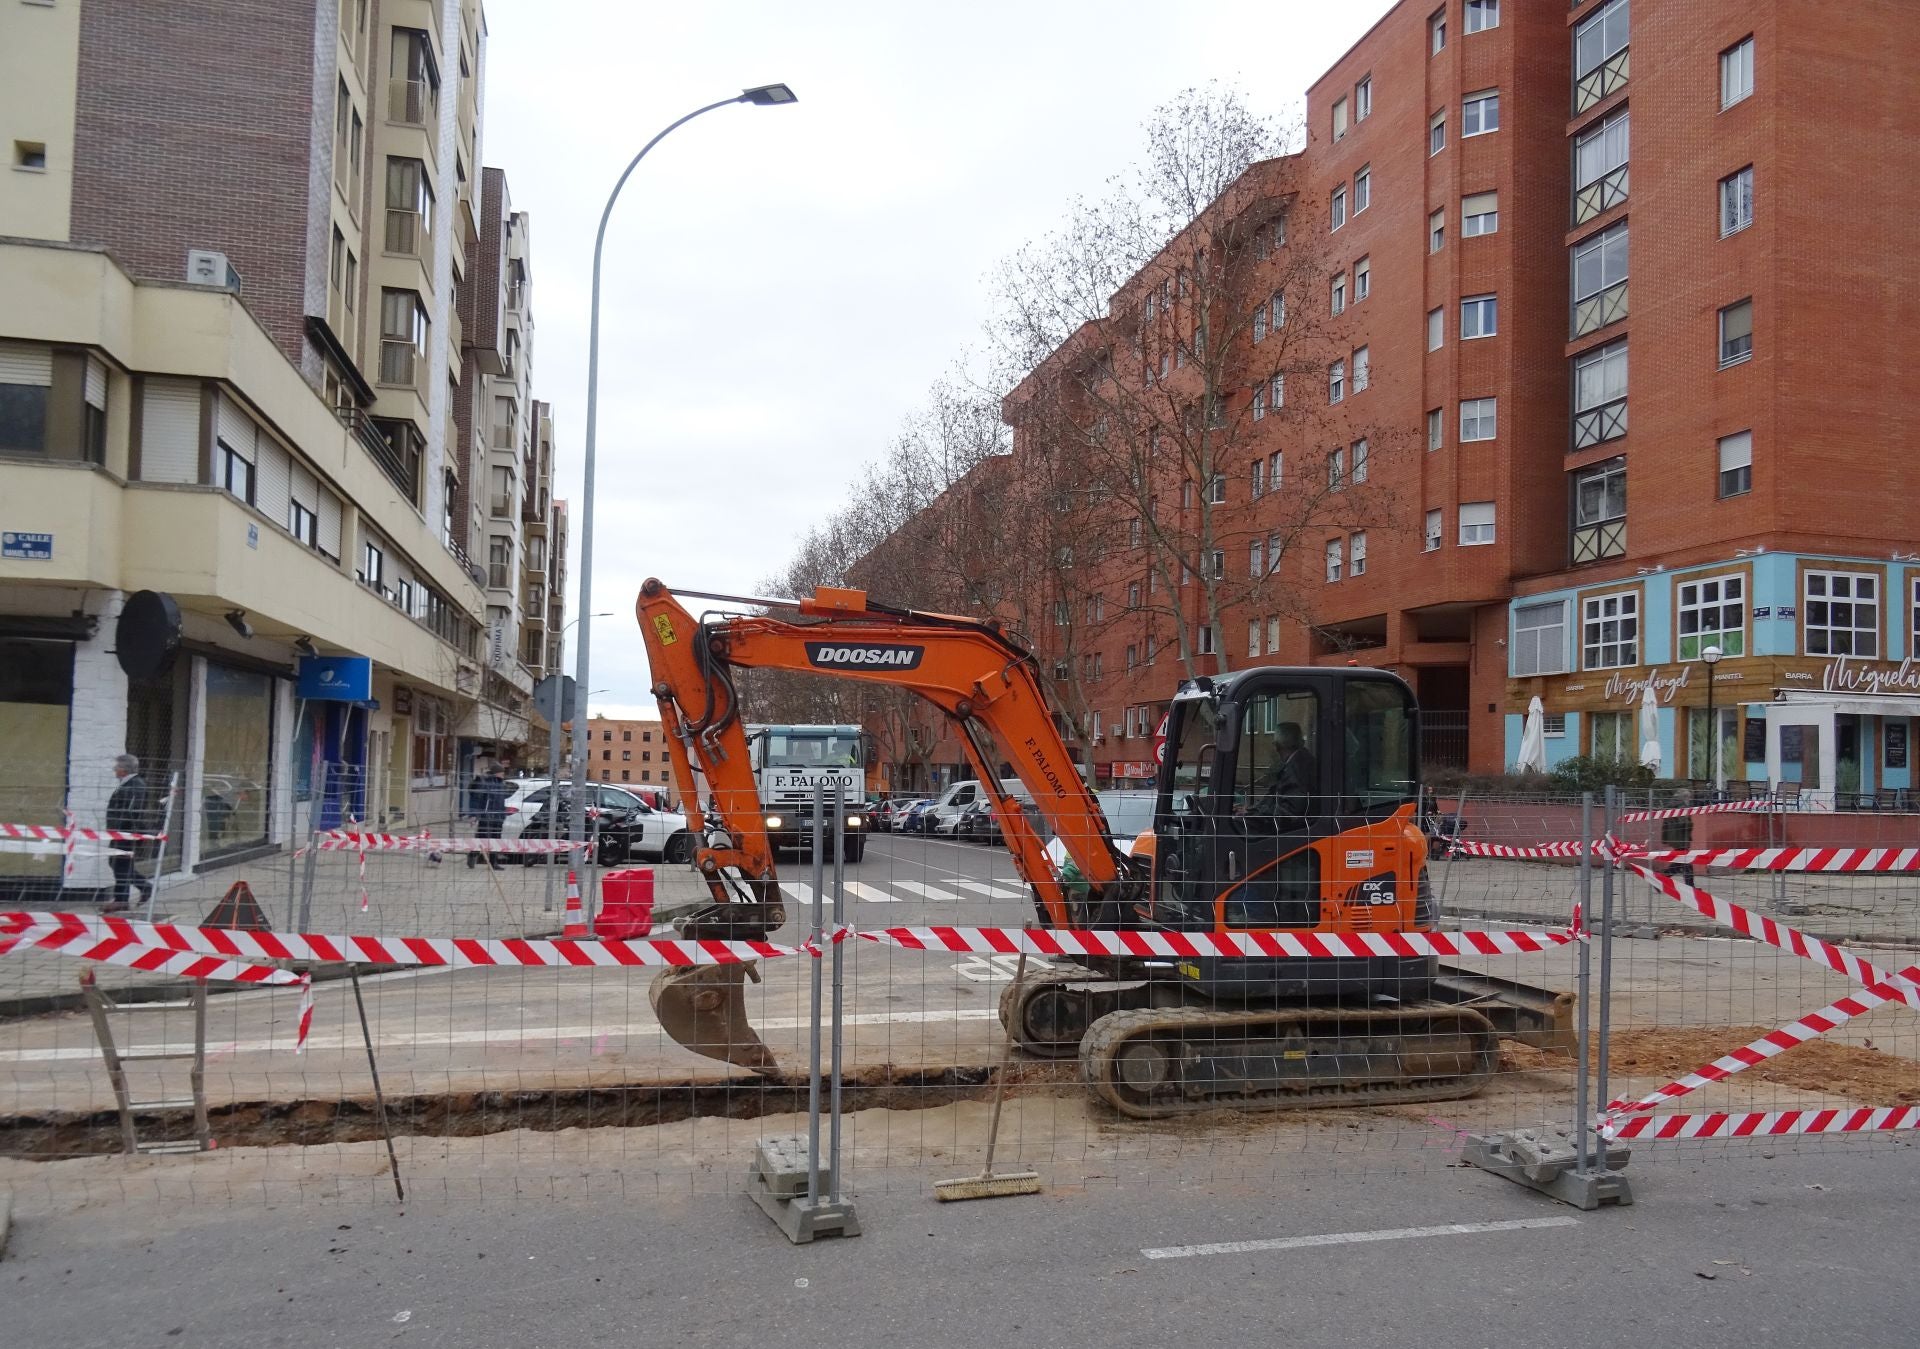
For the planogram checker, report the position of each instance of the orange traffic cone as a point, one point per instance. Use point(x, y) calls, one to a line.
point(576, 921)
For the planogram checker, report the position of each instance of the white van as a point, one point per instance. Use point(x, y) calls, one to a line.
point(943, 816)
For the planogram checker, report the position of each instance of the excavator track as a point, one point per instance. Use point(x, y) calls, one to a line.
point(1154, 1063)
point(1048, 1011)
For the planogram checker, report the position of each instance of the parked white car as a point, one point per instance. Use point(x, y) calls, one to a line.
point(943, 816)
point(629, 828)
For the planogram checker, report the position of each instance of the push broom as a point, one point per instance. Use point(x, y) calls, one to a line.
point(987, 1185)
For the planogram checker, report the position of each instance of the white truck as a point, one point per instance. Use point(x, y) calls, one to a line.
point(789, 761)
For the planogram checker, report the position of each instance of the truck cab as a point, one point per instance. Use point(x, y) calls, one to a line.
point(791, 762)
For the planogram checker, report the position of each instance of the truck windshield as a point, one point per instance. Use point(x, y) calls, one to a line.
point(787, 750)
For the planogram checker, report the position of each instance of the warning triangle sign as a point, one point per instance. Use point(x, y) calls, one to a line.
point(238, 909)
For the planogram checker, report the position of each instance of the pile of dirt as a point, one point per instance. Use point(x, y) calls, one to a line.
point(1854, 1073)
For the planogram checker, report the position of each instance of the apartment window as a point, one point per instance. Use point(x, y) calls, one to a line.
point(1479, 316)
point(1437, 32)
point(1540, 639)
point(337, 259)
point(1600, 167)
point(403, 597)
point(409, 207)
point(1841, 613)
point(1186, 495)
point(1610, 630)
point(1362, 279)
point(352, 287)
point(1436, 429)
point(1713, 612)
point(414, 78)
point(1362, 369)
point(1476, 522)
point(1553, 725)
point(1436, 525)
point(1258, 405)
point(1482, 15)
point(1133, 659)
point(1597, 40)
point(1478, 418)
point(403, 336)
point(1736, 201)
point(502, 505)
point(1480, 113)
point(303, 524)
point(1203, 639)
point(373, 565)
point(1736, 463)
point(505, 423)
point(1336, 381)
point(1600, 280)
point(1275, 463)
point(1600, 395)
point(1437, 231)
point(1133, 532)
point(1357, 552)
point(234, 471)
point(1337, 211)
point(1363, 189)
point(1736, 333)
point(1217, 564)
point(1339, 118)
point(1257, 478)
point(1736, 73)
point(1437, 134)
point(1336, 563)
point(1253, 638)
point(1273, 626)
point(1337, 294)
point(1436, 328)
point(1257, 558)
point(1600, 512)
point(1361, 454)
point(1062, 614)
point(626, 756)
point(499, 562)
point(1337, 470)
point(1217, 490)
point(1363, 99)
point(1276, 312)
point(1479, 214)
point(1133, 596)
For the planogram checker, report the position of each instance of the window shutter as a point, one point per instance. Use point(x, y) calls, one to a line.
point(170, 431)
point(23, 364)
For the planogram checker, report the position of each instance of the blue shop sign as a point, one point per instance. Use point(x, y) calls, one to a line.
point(336, 679)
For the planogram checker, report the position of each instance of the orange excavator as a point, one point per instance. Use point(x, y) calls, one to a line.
point(1287, 801)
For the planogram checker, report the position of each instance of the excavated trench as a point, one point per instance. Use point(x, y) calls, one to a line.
point(307, 1123)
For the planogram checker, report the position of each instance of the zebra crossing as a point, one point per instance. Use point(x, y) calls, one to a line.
point(900, 890)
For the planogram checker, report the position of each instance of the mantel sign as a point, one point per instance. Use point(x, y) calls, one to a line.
point(336, 679)
point(24, 547)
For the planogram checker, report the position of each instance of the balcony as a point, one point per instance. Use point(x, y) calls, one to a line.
point(407, 233)
point(500, 506)
point(1599, 541)
point(1602, 82)
point(411, 102)
point(1598, 310)
point(1600, 196)
point(1597, 425)
point(400, 463)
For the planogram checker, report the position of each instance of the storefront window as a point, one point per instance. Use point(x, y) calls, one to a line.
point(1613, 735)
point(432, 742)
point(36, 685)
point(239, 759)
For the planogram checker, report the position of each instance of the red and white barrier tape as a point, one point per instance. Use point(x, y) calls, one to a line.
point(1713, 808)
point(1790, 859)
point(57, 833)
point(341, 840)
point(1195, 945)
point(1879, 987)
point(1515, 852)
point(1768, 1123)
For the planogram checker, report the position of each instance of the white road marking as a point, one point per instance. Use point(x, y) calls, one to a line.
point(926, 891)
point(501, 1036)
point(872, 894)
point(991, 890)
point(1353, 1238)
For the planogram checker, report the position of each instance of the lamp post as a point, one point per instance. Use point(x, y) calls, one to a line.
point(1710, 656)
point(553, 754)
point(766, 95)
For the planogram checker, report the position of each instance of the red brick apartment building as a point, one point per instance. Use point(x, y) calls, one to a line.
point(1619, 295)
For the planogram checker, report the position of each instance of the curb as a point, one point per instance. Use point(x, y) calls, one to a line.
point(1654, 927)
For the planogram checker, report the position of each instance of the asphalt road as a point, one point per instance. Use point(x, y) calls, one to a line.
point(911, 879)
point(1798, 1249)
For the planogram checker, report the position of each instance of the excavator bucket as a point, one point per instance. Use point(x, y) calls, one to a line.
point(704, 1008)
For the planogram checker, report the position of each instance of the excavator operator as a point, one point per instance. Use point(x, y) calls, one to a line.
point(1288, 788)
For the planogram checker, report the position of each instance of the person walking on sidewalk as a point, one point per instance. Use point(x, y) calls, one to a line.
point(487, 803)
point(129, 809)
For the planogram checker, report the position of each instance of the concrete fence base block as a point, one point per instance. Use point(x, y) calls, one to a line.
point(777, 1182)
point(1544, 1160)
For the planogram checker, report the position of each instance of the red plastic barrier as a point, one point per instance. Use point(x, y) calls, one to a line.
point(626, 904)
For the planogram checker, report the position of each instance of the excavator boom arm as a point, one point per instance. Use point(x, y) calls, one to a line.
point(966, 668)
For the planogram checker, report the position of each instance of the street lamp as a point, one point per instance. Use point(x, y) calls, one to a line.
point(1711, 657)
point(765, 95)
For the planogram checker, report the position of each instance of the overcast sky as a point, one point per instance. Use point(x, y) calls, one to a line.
point(783, 284)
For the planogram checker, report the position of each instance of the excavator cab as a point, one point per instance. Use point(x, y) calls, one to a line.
point(1287, 800)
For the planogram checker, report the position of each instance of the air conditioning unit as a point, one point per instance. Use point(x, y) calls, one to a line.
point(205, 267)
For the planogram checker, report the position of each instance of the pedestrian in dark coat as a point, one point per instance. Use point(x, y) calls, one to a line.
point(129, 810)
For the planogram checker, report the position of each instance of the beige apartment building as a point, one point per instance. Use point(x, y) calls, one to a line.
point(265, 414)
